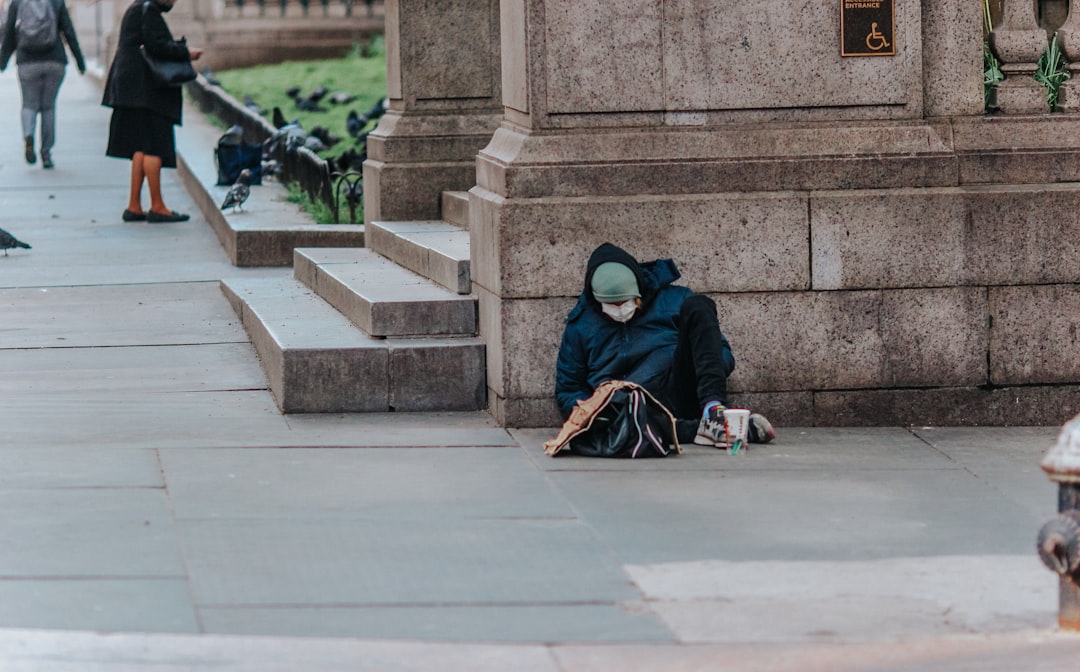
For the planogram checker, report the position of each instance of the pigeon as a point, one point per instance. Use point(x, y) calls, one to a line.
point(318, 94)
point(292, 91)
point(238, 192)
point(8, 242)
point(377, 110)
point(291, 135)
point(270, 168)
point(278, 119)
point(351, 160)
point(341, 98)
point(210, 77)
point(325, 136)
point(308, 105)
point(354, 124)
point(250, 104)
point(314, 144)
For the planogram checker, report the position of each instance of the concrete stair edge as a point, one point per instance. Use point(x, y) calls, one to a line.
point(433, 249)
point(317, 361)
point(382, 298)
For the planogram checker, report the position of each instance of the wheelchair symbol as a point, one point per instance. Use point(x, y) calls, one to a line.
point(875, 41)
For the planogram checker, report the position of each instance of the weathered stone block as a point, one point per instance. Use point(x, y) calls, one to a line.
point(729, 242)
point(895, 238)
point(1017, 235)
point(604, 57)
point(964, 406)
point(525, 412)
point(445, 374)
point(943, 237)
point(1035, 334)
point(783, 409)
point(843, 340)
point(715, 50)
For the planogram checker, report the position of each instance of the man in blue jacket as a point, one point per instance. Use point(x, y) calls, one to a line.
point(631, 323)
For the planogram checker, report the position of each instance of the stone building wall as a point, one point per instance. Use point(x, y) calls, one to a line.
point(880, 251)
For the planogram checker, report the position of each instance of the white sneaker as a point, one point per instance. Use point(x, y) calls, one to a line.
point(760, 430)
point(710, 431)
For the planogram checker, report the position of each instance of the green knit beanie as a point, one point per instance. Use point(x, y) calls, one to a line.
point(613, 282)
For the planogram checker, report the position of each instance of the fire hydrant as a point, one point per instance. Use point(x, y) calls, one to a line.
point(1059, 539)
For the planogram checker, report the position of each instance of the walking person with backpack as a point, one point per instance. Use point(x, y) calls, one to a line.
point(35, 31)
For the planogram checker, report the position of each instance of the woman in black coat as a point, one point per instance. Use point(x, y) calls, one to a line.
point(144, 113)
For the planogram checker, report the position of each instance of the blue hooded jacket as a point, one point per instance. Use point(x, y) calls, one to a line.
point(596, 348)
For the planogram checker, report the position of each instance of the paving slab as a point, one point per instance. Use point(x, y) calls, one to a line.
point(388, 561)
point(474, 623)
point(806, 601)
point(203, 367)
point(88, 532)
point(47, 466)
point(149, 420)
point(117, 315)
point(45, 651)
point(1006, 458)
point(796, 514)
point(102, 605)
point(421, 484)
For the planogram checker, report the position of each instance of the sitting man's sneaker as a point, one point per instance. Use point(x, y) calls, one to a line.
point(760, 431)
point(710, 431)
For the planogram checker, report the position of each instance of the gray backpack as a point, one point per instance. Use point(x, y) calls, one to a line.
point(36, 25)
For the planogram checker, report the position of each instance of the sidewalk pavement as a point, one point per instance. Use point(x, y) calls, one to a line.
point(159, 513)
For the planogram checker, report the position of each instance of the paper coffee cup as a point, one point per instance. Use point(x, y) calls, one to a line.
point(736, 429)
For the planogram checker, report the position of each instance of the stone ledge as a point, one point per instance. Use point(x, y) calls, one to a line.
point(317, 361)
point(381, 297)
point(268, 228)
point(437, 250)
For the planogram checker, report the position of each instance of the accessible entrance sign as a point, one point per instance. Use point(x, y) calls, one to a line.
point(866, 28)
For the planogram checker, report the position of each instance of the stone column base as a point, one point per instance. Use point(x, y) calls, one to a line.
point(413, 158)
point(1021, 94)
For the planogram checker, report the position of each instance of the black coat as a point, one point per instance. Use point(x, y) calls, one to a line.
point(596, 348)
point(129, 83)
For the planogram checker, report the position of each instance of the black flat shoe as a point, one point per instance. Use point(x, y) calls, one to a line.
point(130, 216)
point(174, 216)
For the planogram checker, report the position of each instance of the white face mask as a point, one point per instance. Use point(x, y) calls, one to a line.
point(620, 312)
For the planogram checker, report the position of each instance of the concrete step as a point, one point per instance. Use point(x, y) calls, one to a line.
point(317, 361)
point(436, 250)
point(455, 208)
point(381, 297)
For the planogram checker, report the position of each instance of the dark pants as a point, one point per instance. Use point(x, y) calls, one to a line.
point(698, 374)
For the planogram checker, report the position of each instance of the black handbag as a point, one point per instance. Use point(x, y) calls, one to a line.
point(168, 73)
point(622, 420)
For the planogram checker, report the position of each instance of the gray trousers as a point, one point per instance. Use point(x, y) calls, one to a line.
point(40, 82)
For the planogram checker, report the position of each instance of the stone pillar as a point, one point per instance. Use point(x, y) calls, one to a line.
point(691, 129)
point(445, 103)
point(1018, 42)
point(1069, 40)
